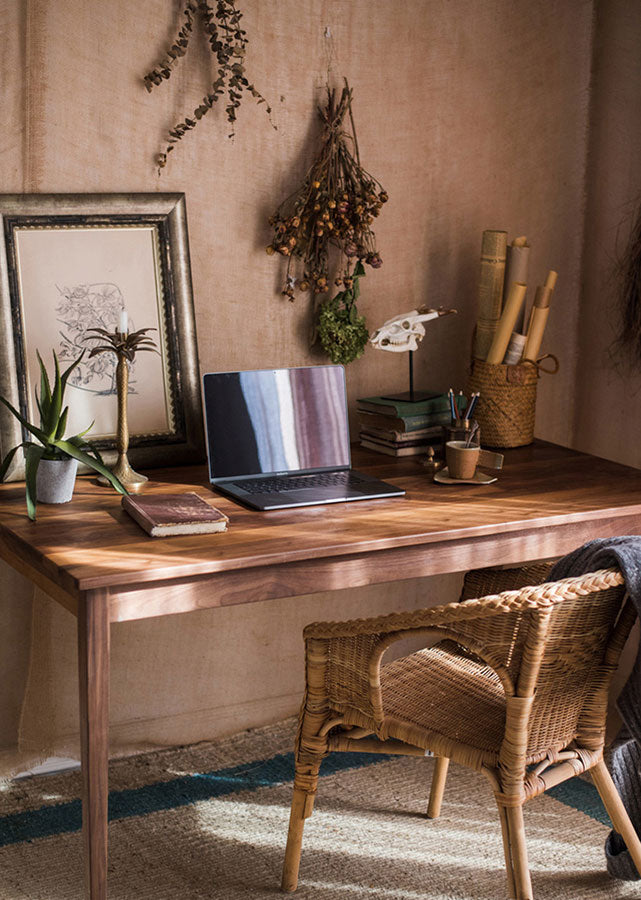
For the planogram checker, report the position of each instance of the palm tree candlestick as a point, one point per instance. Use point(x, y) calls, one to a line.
point(125, 346)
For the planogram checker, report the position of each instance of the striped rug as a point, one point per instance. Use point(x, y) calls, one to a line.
point(210, 821)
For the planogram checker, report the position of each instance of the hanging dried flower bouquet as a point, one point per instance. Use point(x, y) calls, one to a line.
point(334, 207)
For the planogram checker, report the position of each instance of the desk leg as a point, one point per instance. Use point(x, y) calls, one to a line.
point(93, 669)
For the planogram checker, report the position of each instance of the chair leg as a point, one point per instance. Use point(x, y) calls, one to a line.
point(507, 850)
point(437, 789)
point(302, 807)
point(617, 811)
point(518, 852)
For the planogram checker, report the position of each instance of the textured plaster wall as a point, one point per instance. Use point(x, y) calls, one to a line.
point(472, 115)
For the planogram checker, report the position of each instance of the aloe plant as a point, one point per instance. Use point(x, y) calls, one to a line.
point(50, 434)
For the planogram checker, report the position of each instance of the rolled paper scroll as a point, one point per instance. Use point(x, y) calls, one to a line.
point(539, 317)
point(515, 349)
point(518, 254)
point(505, 327)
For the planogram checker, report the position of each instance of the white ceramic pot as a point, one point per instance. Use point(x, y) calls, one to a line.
point(55, 480)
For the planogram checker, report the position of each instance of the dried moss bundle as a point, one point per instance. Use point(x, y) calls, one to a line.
point(630, 295)
point(227, 41)
point(341, 330)
point(334, 207)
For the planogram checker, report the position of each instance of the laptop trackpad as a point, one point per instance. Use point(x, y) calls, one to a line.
point(326, 492)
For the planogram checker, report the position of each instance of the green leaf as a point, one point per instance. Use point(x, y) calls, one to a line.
point(33, 455)
point(50, 423)
point(45, 390)
point(67, 372)
point(6, 462)
point(83, 433)
point(78, 441)
point(71, 450)
point(36, 432)
point(62, 424)
point(359, 269)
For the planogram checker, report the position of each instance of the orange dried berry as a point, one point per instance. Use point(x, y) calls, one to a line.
point(316, 207)
point(316, 184)
point(383, 197)
point(284, 250)
point(325, 217)
point(325, 289)
point(338, 282)
point(321, 281)
point(329, 226)
point(269, 250)
point(332, 204)
point(292, 242)
point(295, 221)
point(303, 286)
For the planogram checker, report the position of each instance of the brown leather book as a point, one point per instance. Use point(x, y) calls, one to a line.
point(167, 514)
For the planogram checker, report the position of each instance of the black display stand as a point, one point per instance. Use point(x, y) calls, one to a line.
point(412, 396)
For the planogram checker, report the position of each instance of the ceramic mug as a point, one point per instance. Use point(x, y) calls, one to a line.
point(463, 460)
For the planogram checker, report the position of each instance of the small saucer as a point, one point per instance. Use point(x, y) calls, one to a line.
point(444, 477)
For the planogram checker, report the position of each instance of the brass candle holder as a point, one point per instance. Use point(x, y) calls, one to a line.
point(125, 346)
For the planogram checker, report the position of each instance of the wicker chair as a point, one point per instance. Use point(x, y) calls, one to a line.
point(515, 687)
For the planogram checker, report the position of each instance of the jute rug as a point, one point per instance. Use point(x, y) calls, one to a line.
point(210, 822)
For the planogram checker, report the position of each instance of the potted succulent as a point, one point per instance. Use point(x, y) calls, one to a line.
point(51, 464)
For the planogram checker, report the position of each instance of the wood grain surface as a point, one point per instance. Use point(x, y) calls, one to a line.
point(547, 500)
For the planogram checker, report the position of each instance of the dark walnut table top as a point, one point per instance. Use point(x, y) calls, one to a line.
point(547, 500)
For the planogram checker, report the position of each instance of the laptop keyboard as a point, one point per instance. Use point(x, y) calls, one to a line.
point(281, 485)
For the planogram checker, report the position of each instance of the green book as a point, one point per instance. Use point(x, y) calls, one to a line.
point(402, 408)
point(404, 424)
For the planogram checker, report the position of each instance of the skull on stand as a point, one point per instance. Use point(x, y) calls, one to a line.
point(404, 332)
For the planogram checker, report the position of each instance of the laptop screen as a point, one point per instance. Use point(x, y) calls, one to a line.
point(276, 420)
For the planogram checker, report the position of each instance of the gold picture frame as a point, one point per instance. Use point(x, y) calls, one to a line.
point(70, 262)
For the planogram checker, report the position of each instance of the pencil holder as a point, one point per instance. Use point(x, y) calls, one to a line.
point(507, 404)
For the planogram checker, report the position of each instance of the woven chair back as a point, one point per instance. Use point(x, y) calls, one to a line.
point(571, 672)
point(503, 636)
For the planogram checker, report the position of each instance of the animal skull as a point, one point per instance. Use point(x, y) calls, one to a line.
point(405, 331)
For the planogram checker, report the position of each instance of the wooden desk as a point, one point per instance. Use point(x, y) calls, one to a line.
point(94, 560)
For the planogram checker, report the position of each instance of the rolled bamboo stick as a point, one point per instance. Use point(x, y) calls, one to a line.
point(506, 324)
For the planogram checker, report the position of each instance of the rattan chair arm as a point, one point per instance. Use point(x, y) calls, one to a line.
point(438, 635)
point(358, 659)
point(540, 596)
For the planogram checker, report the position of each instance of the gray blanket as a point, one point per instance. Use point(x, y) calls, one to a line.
point(625, 760)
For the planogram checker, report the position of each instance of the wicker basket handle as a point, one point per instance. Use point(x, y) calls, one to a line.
point(539, 368)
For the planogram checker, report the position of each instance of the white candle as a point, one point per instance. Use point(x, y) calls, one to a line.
point(124, 322)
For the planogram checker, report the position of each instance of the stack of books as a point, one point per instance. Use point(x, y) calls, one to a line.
point(399, 428)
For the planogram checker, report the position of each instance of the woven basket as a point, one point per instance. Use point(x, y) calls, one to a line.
point(507, 402)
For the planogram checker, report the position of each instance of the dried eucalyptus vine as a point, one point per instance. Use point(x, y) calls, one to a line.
point(221, 23)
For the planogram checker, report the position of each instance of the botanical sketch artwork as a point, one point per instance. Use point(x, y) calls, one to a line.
point(74, 279)
point(80, 308)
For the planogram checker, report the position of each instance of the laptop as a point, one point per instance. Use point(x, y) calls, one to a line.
point(279, 438)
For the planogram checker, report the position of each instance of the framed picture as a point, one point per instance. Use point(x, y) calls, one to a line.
point(71, 262)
